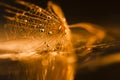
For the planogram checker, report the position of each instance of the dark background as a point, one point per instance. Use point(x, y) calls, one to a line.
point(95, 11)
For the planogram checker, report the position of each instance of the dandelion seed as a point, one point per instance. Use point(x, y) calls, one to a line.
point(51, 21)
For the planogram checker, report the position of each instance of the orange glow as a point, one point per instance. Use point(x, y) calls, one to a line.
point(45, 45)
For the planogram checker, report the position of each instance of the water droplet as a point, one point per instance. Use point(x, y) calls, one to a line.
point(66, 31)
point(40, 10)
point(42, 30)
point(40, 24)
point(89, 48)
point(53, 67)
point(34, 26)
point(64, 19)
point(45, 42)
point(60, 27)
point(49, 17)
point(25, 20)
point(53, 53)
point(48, 45)
point(54, 49)
point(50, 32)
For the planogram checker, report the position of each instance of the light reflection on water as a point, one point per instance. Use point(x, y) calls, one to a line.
point(49, 66)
